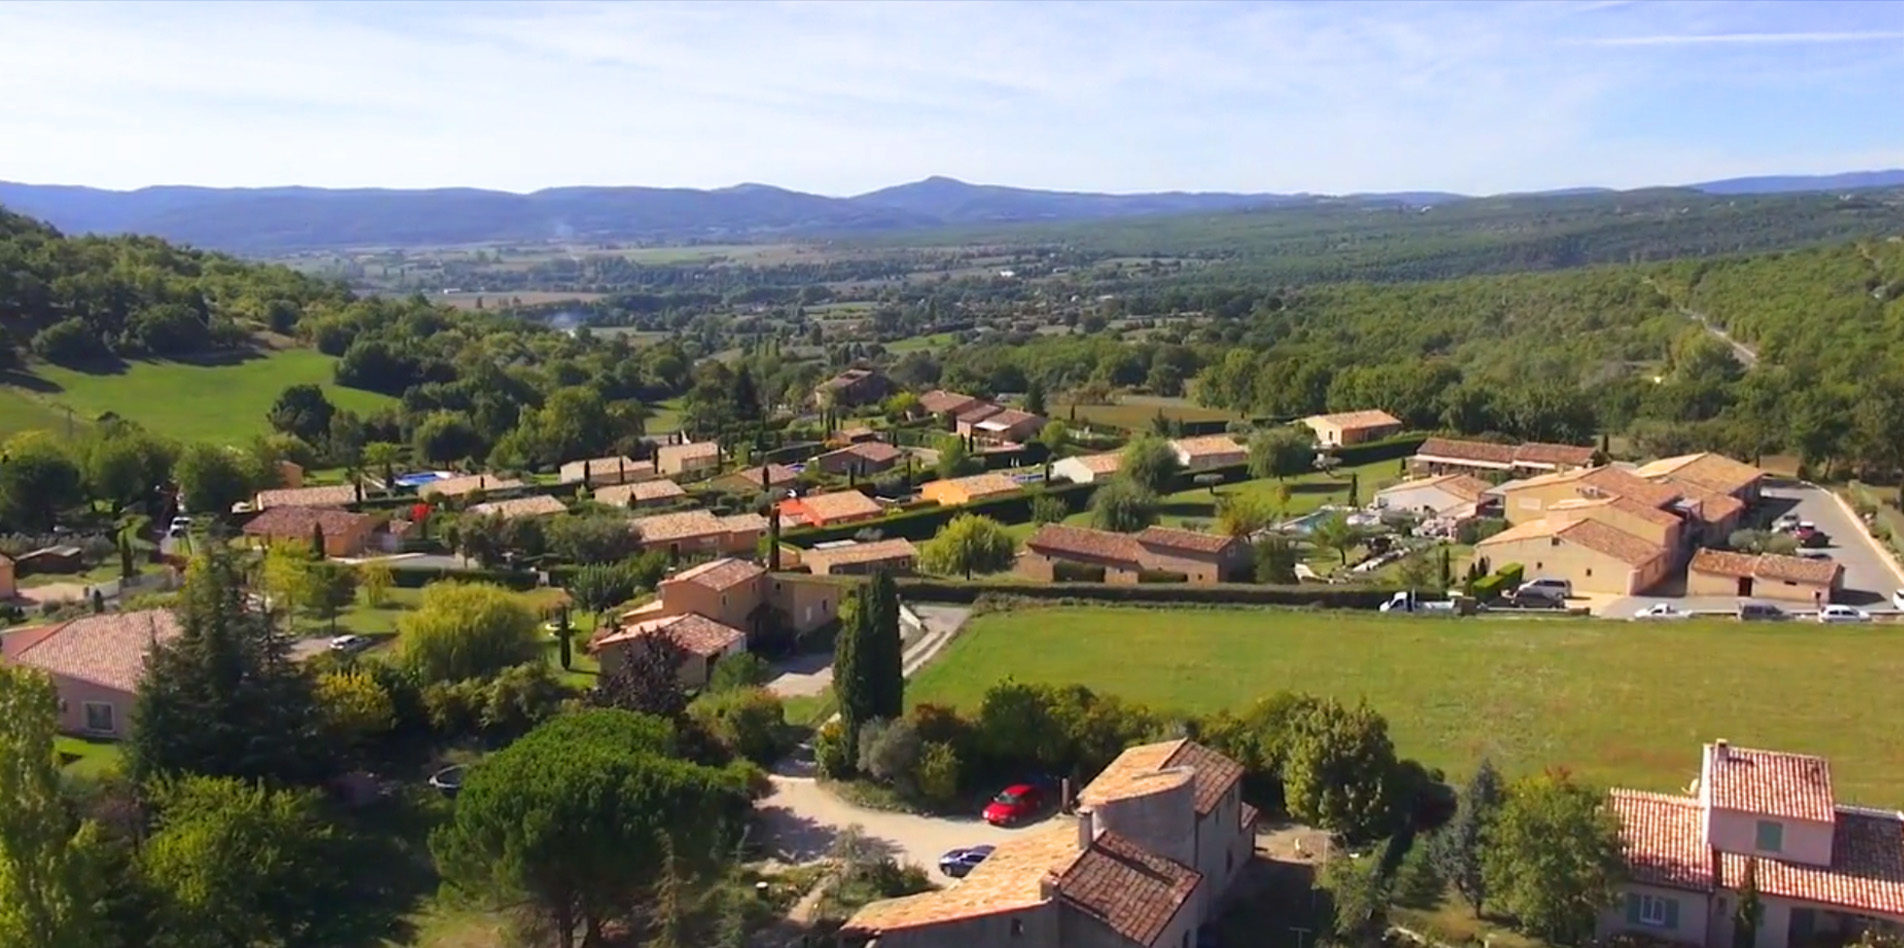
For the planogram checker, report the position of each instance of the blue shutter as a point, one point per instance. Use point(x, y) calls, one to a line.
point(1672, 913)
point(1632, 908)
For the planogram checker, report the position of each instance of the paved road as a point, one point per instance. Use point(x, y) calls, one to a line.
point(811, 674)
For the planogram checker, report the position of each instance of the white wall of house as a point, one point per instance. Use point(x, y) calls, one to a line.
point(1803, 841)
point(1073, 470)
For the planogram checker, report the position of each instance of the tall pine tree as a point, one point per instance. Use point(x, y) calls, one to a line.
point(1455, 850)
point(885, 672)
point(853, 657)
point(224, 699)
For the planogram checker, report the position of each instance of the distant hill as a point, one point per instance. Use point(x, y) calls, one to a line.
point(276, 220)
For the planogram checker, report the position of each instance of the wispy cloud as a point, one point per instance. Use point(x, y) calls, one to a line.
point(1747, 39)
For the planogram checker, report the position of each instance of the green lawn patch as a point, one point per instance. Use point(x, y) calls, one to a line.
point(81, 757)
point(937, 340)
point(666, 418)
point(1618, 702)
point(22, 411)
point(192, 401)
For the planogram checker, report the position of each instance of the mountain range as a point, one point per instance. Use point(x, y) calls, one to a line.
point(278, 220)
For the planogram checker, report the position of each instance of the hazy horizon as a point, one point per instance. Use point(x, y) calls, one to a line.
point(841, 99)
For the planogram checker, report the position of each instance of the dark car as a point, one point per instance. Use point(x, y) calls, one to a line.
point(448, 781)
point(957, 862)
point(1760, 612)
point(1015, 804)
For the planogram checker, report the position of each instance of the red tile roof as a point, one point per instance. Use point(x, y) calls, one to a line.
point(534, 505)
point(1661, 837)
point(719, 574)
point(1475, 451)
point(1106, 463)
point(1216, 773)
point(1612, 541)
point(469, 484)
point(295, 523)
point(1559, 455)
point(639, 492)
point(334, 495)
point(822, 509)
point(1866, 872)
point(1209, 445)
point(978, 411)
point(1213, 773)
point(1132, 891)
point(777, 475)
point(940, 402)
point(691, 631)
point(873, 451)
point(108, 649)
point(878, 551)
point(1056, 539)
point(1771, 783)
point(1356, 420)
point(1190, 541)
point(1609, 481)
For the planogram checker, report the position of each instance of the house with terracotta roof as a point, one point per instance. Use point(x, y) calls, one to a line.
point(1594, 556)
point(700, 532)
point(660, 492)
point(1713, 473)
point(1009, 426)
point(1086, 468)
point(9, 582)
point(534, 505)
point(1456, 496)
point(599, 472)
point(964, 490)
point(471, 484)
point(95, 663)
point(824, 510)
point(1763, 576)
point(334, 495)
point(697, 642)
point(1487, 459)
point(946, 404)
point(896, 555)
point(733, 593)
point(1208, 451)
point(765, 477)
point(1823, 870)
point(860, 460)
point(1157, 840)
point(854, 387)
point(973, 414)
point(1352, 427)
point(1202, 558)
point(345, 533)
point(674, 460)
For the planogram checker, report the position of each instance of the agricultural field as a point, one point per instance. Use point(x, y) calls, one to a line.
point(1619, 703)
point(929, 343)
point(1134, 412)
point(470, 299)
point(224, 402)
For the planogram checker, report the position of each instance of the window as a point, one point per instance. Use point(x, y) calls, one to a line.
point(99, 717)
point(1771, 836)
point(1653, 910)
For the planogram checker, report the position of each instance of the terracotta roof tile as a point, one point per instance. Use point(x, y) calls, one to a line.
point(837, 505)
point(469, 484)
point(1866, 872)
point(1170, 538)
point(682, 525)
point(984, 485)
point(1465, 486)
point(1797, 569)
point(977, 412)
point(1715, 472)
point(748, 522)
point(1008, 418)
point(108, 649)
point(1662, 839)
point(1063, 541)
point(1132, 891)
point(336, 495)
point(1482, 452)
point(1353, 420)
point(600, 467)
point(875, 552)
point(1540, 452)
point(778, 475)
point(1723, 563)
point(535, 505)
point(1216, 773)
point(295, 523)
point(692, 451)
point(1772, 783)
point(940, 402)
point(1609, 481)
point(1612, 541)
point(639, 492)
point(721, 574)
point(691, 631)
point(1106, 463)
point(1138, 770)
point(1012, 878)
point(1207, 445)
point(876, 452)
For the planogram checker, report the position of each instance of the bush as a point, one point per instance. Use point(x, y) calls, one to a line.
point(745, 670)
point(1387, 449)
point(1474, 531)
point(1512, 574)
point(937, 776)
point(829, 751)
point(746, 722)
point(889, 752)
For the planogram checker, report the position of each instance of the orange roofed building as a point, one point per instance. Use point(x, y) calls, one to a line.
point(1824, 871)
point(732, 594)
point(95, 662)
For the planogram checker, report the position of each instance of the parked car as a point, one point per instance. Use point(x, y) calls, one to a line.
point(1014, 804)
point(1897, 598)
point(448, 781)
point(1543, 598)
point(349, 643)
point(1837, 613)
point(1409, 602)
point(1662, 610)
point(1555, 589)
point(1760, 612)
point(957, 862)
point(1786, 522)
point(1808, 534)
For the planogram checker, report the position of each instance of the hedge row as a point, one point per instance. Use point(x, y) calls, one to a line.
point(934, 589)
point(1387, 449)
point(1505, 579)
point(920, 524)
point(412, 577)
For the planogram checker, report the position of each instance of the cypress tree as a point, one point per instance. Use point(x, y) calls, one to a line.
point(317, 539)
point(852, 658)
point(886, 669)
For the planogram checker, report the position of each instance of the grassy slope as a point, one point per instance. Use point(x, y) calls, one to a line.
point(184, 400)
point(1622, 703)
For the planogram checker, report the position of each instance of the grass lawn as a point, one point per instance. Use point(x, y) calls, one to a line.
point(1618, 702)
point(189, 401)
point(922, 343)
point(106, 571)
point(22, 411)
point(84, 758)
point(1134, 412)
point(667, 417)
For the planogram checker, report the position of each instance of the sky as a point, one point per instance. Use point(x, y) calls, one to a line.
point(841, 98)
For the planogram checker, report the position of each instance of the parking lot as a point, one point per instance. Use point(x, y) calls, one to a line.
point(1869, 577)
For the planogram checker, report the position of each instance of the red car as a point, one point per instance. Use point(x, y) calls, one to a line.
point(1014, 804)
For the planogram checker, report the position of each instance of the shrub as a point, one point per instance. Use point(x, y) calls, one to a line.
point(889, 751)
point(747, 722)
point(1512, 574)
point(937, 776)
point(745, 670)
point(829, 751)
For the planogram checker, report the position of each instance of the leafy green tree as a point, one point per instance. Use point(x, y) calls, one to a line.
point(1054, 436)
point(745, 670)
point(47, 878)
point(1035, 397)
point(1275, 559)
point(466, 630)
point(1149, 462)
point(234, 863)
point(333, 587)
point(1336, 534)
point(211, 478)
point(124, 466)
point(1359, 892)
point(38, 480)
point(646, 681)
point(1123, 506)
point(601, 586)
point(577, 821)
point(1048, 509)
point(223, 698)
point(354, 705)
point(954, 459)
point(746, 721)
point(302, 410)
point(1242, 515)
point(1551, 857)
point(1340, 770)
point(383, 457)
point(1455, 849)
point(971, 543)
point(376, 580)
point(1281, 452)
point(855, 654)
point(481, 537)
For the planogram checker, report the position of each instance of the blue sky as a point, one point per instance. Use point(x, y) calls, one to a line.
point(840, 98)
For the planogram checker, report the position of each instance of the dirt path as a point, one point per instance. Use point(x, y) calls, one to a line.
point(1746, 355)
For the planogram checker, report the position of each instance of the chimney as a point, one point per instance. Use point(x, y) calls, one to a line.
point(1720, 750)
point(1087, 828)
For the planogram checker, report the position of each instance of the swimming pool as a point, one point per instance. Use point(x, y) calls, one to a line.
point(420, 478)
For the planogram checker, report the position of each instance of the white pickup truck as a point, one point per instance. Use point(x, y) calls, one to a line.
point(1409, 602)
